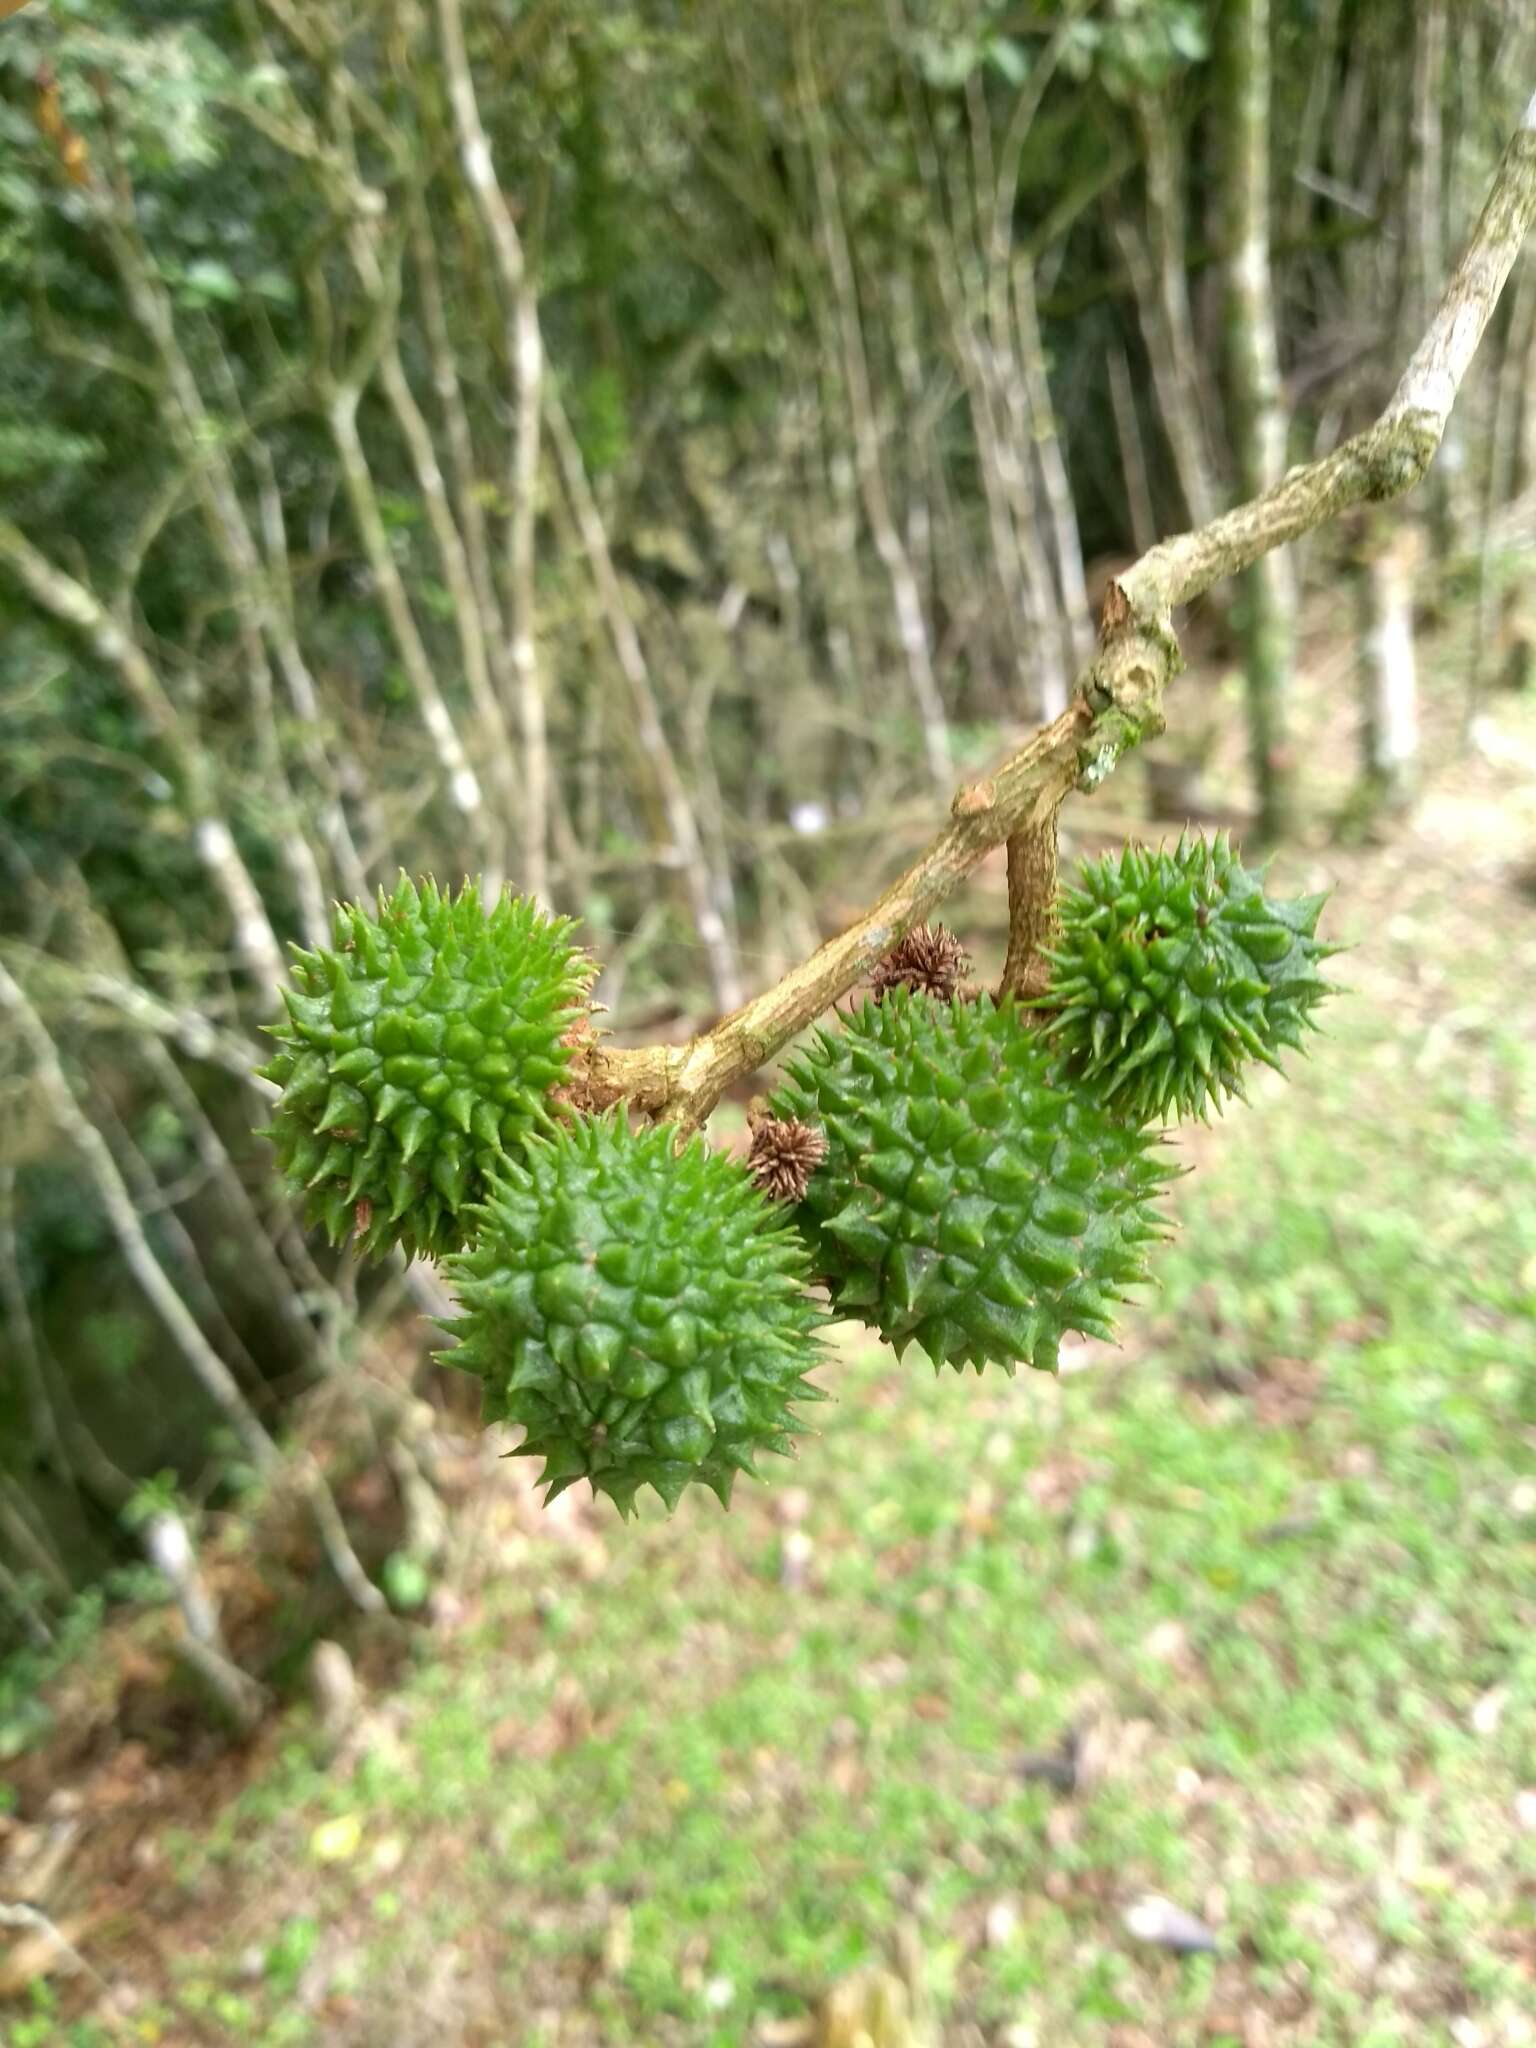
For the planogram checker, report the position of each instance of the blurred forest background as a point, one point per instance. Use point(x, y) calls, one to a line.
point(647, 454)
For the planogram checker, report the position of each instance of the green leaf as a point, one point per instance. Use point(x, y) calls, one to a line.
point(1009, 59)
point(1186, 34)
point(208, 278)
point(406, 1580)
point(273, 286)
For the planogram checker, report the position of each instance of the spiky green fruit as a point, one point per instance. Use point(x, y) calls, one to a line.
point(640, 1310)
point(967, 1204)
point(417, 1057)
point(1172, 971)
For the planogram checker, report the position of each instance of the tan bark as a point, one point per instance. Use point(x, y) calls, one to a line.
point(1031, 910)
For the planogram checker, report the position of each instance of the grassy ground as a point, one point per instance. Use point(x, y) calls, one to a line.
point(1267, 1570)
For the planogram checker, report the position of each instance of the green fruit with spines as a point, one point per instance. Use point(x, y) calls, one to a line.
point(1171, 971)
point(417, 1057)
point(969, 1203)
point(640, 1309)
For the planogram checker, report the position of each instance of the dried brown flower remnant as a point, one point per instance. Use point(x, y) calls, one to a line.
point(583, 1089)
point(930, 960)
point(783, 1155)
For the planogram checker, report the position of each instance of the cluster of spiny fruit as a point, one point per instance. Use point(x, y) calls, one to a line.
point(975, 1177)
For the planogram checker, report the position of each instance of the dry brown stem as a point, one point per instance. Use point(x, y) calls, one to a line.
point(1031, 910)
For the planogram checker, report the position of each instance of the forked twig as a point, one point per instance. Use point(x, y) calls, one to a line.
point(1119, 696)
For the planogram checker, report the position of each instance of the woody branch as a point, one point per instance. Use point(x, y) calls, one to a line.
point(1118, 700)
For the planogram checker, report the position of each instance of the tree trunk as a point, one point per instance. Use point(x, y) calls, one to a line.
point(1388, 677)
point(1158, 269)
point(906, 603)
point(525, 352)
point(1500, 470)
point(1071, 585)
point(168, 1545)
point(1255, 415)
point(1133, 454)
point(1525, 465)
point(1424, 258)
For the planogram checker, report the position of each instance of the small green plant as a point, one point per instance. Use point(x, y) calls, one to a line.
point(290, 1952)
point(24, 1713)
point(158, 1495)
point(975, 1176)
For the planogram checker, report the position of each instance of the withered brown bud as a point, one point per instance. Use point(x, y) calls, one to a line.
point(584, 1088)
point(929, 960)
point(783, 1155)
